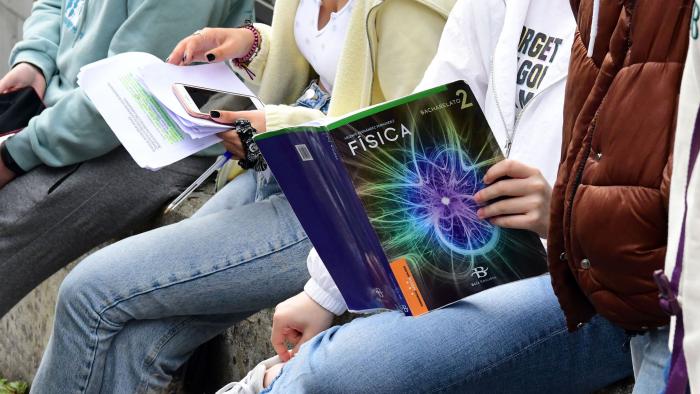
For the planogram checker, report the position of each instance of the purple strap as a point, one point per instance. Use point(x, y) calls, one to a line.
point(668, 297)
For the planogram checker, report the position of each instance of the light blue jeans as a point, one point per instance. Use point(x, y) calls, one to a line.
point(130, 315)
point(650, 357)
point(509, 339)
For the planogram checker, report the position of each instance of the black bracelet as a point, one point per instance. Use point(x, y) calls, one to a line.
point(9, 162)
point(253, 157)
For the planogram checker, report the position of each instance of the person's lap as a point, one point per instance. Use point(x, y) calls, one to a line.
point(51, 216)
point(174, 288)
point(508, 339)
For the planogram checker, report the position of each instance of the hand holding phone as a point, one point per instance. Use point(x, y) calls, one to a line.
point(199, 102)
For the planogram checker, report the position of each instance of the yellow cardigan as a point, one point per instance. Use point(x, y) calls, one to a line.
point(389, 45)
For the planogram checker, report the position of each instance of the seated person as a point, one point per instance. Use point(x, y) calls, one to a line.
point(511, 338)
point(608, 232)
point(683, 253)
point(131, 314)
point(65, 184)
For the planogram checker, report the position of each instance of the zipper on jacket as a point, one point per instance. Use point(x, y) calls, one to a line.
point(510, 136)
point(371, 50)
point(509, 143)
point(579, 171)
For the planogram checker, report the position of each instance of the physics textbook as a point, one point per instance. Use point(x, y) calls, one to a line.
point(386, 197)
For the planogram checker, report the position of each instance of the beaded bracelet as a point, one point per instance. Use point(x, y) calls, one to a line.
point(243, 62)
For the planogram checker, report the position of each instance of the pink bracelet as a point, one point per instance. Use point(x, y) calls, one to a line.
point(243, 62)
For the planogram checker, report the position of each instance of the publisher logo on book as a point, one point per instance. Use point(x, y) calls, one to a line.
point(481, 274)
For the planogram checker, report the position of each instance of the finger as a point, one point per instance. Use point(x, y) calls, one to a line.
point(509, 206)
point(508, 168)
point(521, 222)
point(237, 151)
point(6, 85)
point(228, 117)
point(229, 136)
point(194, 51)
point(278, 343)
point(232, 143)
point(176, 55)
point(228, 50)
point(10, 89)
point(234, 146)
point(504, 188)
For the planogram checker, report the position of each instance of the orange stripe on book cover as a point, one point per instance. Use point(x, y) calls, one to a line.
point(408, 286)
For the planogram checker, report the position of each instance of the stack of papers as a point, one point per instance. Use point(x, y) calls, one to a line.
point(133, 93)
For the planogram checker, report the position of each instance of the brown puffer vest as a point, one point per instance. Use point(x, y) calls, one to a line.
point(610, 202)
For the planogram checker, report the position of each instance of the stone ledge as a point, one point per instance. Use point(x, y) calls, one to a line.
point(25, 330)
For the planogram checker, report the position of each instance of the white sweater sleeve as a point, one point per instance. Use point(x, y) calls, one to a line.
point(321, 287)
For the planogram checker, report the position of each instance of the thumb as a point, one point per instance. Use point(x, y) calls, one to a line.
point(228, 117)
point(6, 85)
point(278, 341)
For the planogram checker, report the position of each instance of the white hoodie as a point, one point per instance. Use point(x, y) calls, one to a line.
point(493, 45)
point(689, 288)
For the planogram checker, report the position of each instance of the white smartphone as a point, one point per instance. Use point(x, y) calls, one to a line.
point(199, 102)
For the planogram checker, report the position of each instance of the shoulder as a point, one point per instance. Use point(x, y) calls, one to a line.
point(478, 9)
point(456, 10)
point(440, 8)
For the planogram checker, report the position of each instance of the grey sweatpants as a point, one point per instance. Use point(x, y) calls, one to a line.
point(51, 216)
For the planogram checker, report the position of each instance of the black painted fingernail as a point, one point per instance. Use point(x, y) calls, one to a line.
point(215, 114)
point(184, 58)
point(211, 57)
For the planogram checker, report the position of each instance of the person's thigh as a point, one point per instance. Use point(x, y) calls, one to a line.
point(50, 216)
point(236, 261)
point(512, 338)
point(232, 261)
point(240, 191)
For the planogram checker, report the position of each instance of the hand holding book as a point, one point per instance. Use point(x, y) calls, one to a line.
point(517, 196)
point(392, 197)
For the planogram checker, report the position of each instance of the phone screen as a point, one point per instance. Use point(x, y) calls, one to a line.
point(211, 100)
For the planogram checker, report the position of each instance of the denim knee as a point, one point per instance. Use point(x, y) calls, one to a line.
point(80, 292)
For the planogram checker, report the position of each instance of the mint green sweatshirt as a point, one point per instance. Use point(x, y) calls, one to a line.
point(61, 36)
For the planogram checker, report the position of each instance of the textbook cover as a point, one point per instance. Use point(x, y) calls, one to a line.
point(386, 197)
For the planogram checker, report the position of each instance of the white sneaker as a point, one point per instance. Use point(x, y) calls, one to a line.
point(253, 382)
